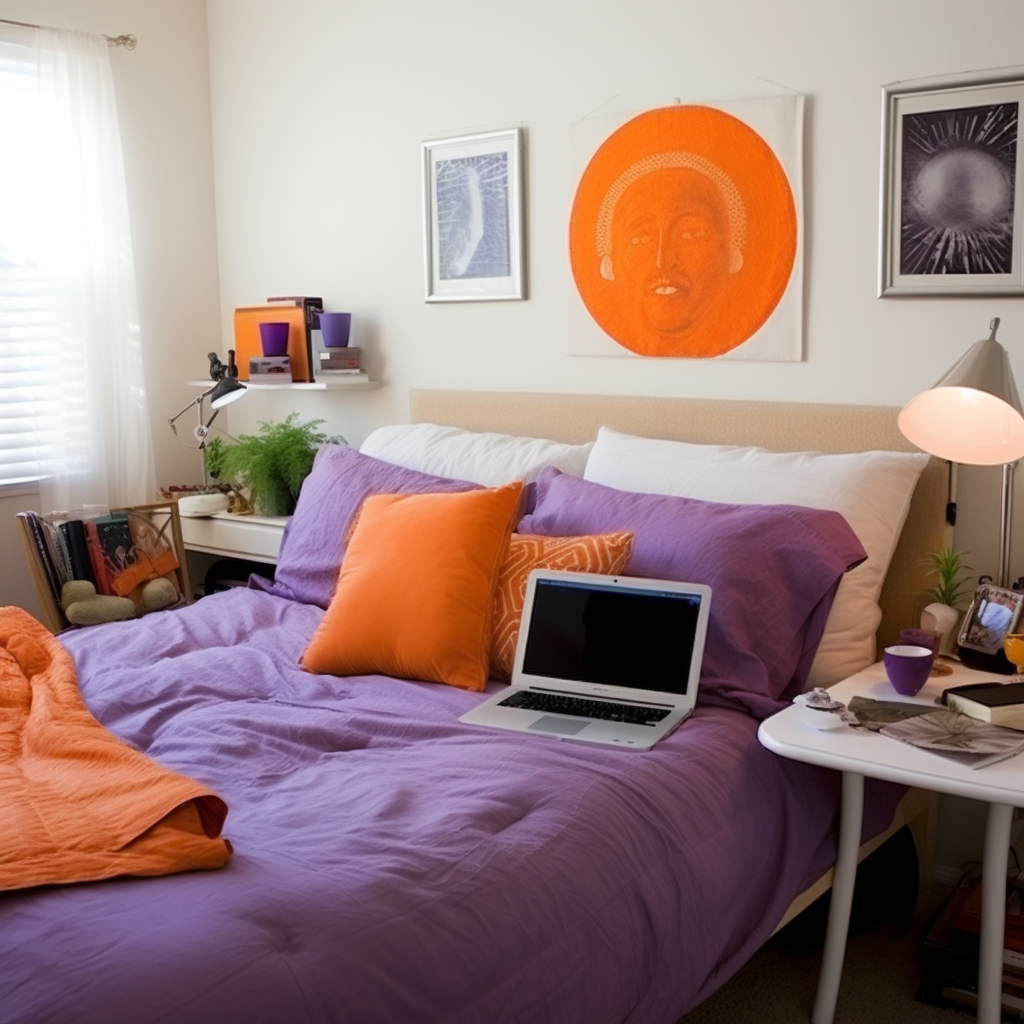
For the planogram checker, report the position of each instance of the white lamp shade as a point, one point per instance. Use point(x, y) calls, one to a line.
point(226, 391)
point(973, 414)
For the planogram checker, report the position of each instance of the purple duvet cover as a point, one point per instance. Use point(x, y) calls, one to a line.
point(394, 865)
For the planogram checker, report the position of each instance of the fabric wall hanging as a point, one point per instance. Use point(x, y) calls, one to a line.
point(685, 232)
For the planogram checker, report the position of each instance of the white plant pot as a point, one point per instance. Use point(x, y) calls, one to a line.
point(944, 620)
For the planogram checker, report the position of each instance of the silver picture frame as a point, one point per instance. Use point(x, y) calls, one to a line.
point(952, 199)
point(994, 612)
point(473, 217)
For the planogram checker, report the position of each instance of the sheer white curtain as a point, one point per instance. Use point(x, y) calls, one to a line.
point(73, 408)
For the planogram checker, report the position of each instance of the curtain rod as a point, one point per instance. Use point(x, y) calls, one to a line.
point(129, 42)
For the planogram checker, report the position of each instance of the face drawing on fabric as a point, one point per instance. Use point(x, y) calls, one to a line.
point(683, 233)
point(672, 240)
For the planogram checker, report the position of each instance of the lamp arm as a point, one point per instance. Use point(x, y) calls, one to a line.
point(1006, 524)
point(203, 429)
point(177, 416)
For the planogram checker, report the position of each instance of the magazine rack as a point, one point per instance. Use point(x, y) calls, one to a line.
point(161, 526)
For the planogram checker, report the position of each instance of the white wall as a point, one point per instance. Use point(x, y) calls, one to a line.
point(319, 109)
point(163, 106)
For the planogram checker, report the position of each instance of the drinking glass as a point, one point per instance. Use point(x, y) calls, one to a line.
point(1013, 646)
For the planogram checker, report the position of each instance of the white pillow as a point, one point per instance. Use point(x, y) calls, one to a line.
point(488, 459)
point(872, 490)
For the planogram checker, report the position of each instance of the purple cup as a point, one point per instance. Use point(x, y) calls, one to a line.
point(920, 638)
point(335, 328)
point(908, 667)
point(274, 338)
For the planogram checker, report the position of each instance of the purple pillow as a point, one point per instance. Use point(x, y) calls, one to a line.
point(314, 540)
point(773, 572)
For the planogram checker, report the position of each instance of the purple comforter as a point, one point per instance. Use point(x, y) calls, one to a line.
point(394, 865)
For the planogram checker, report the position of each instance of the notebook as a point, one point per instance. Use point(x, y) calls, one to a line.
point(603, 659)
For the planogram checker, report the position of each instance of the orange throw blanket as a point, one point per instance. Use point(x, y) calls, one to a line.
point(77, 804)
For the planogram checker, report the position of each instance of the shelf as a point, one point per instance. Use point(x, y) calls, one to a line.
point(324, 384)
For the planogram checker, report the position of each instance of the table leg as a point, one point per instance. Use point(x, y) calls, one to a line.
point(851, 817)
point(993, 913)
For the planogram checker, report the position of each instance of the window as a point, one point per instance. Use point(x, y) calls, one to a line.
point(73, 411)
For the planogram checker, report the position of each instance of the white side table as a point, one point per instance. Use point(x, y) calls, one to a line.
point(231, 536)
point(858, 753)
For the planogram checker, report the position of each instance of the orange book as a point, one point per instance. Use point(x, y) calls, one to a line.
point(247, 337)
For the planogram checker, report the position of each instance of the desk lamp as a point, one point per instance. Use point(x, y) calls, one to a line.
point(973, 416)
point(226, 389)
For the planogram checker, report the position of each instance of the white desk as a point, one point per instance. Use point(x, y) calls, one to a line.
point(230, 536)
point(858, 753)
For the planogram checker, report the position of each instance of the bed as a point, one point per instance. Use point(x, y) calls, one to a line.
point(392, 864)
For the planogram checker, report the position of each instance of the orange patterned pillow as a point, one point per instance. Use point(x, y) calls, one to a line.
point(605, 553)
point(415, 591)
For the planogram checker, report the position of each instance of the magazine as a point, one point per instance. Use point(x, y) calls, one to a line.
point(958, 737)
point(873, 714)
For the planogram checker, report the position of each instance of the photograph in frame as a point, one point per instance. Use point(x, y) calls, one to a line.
point(951, 188)
point(473, 217)
point(994, 612)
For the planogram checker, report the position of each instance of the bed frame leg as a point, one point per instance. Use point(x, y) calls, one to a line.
point(850, 819)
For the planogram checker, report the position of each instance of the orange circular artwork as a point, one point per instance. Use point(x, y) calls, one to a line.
point(683, 233)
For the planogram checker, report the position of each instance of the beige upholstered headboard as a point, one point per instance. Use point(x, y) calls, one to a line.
point(779, 426)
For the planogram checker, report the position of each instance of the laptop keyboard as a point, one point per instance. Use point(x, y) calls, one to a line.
point(584, 707)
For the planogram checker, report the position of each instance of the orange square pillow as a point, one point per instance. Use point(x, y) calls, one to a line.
point(605, 553)
point(416, 588)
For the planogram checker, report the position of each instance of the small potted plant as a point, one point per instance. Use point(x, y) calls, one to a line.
point(271, 464)
point(942, 615)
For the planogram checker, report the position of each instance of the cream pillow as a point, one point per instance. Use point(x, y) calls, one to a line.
point(871, 490)
point(483, 458)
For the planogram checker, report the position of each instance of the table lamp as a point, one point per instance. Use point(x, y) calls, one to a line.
point(973, 416)
point(226, 389)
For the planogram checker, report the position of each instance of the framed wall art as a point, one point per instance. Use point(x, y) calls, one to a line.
point(685, 232)
point(951, 192)
point(473, 217)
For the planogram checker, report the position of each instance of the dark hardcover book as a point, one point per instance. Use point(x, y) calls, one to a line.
point(998, 703)
point(312, 307)
point(39, 531)
point(73, 532)
point(115, 542)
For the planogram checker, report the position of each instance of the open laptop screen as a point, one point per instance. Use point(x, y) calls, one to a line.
point(594, 633)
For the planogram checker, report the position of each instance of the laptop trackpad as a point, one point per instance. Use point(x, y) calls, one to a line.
point(560, 725)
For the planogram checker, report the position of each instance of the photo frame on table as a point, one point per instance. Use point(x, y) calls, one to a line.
point(473, 217)
point(994, 612)
point(952, 203)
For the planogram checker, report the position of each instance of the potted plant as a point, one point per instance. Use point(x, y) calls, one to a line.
point(271, 464)
point(942, 615)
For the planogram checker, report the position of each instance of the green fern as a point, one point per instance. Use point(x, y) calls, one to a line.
point(948, 569)
point(272, 463)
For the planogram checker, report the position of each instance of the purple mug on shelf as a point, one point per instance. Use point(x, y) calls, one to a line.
point(274, 338)
point(335, 328)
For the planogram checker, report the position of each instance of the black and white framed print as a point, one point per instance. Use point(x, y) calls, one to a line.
point(473, 217)
point(951, 196)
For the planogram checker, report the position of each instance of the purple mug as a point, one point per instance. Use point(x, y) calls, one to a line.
point(334, 328)
point(274, 338)
point(908, 667)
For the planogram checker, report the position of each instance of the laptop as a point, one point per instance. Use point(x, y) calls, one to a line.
point(603, 659)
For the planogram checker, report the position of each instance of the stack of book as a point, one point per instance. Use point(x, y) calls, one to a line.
point(341, 364)
point(998, 703)
point(952, 947)
point(114, 551)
